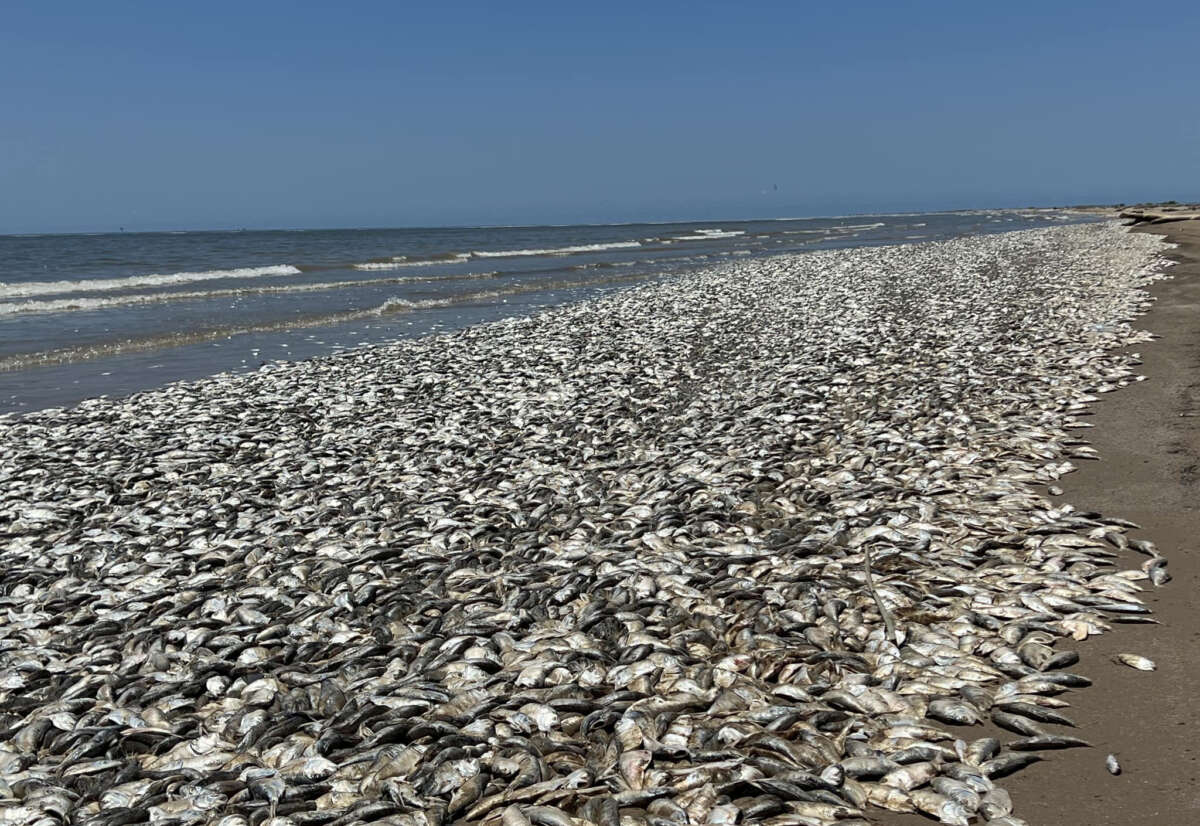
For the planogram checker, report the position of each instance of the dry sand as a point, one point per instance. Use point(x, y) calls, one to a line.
point(1148, 436)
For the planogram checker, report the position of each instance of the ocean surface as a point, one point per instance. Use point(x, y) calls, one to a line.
point(110, 314)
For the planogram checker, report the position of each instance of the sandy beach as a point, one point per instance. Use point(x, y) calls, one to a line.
point(1148, 438)
point(599, 415)
point(778, 541)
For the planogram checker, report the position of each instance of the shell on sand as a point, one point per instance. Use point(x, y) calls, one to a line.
point(763, 540)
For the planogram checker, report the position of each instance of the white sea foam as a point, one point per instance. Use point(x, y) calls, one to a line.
point(60, 305)
point(615, 245)
point(33, 288)
point(394, 304)
point(401, 261)
point(709, 235)
point(387, 265)
point(83, 303)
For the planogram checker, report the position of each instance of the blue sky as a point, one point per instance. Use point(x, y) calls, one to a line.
point(258, 114)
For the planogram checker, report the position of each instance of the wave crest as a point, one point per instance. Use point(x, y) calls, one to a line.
point(36, 288)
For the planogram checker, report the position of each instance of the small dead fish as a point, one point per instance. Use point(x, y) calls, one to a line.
point(941, 807)
point(1007, 764)
point(1048, 741)
point(1144, 546)
point(1156, 569)
point(1036, 712)
point(868, 767)
point(995, 803)
point(954, 711)
point(981, 750)
point(971, 776)
point(633, 767)
point(911, 776)
point(468, 793)
point(548, 816)
point(1017, 723)
point(1065, 678)
point(1135, 661)
point(888, 797)
point(513, 816)
point(958, 791)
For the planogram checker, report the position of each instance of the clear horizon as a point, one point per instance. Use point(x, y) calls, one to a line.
point(664, 221)
point(281, 116)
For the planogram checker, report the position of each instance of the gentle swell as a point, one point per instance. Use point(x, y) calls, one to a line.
point(401, 261)
point(709, 235)
point(388, 307)
point(34, 288)
point(83, 303)
point(616, 245)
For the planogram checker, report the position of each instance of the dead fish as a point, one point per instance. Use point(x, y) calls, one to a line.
point(1135, 661)
point(1007, 764)
point(1156, 570)
point(868, 767)
point(995, 803)
point(1035, 712)
point(958, 791)
point(514, 815)
point(910, 776)
point(937, 805)
point(953, 711)
point(1015, 722)
point(981, 750)
point(1048, 741)
point(729, 547)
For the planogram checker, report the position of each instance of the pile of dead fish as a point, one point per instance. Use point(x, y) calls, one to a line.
point(763, 544)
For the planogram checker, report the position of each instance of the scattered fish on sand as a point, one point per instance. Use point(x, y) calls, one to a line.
point(767, 541)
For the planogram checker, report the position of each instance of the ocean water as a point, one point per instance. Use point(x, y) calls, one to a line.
point(110, 314)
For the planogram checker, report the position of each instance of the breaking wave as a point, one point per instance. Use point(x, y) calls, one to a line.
point(389, 307)
point(35, 288)
point(709, 235)
point(400, 261)
point(615, 245)
point(84, 303)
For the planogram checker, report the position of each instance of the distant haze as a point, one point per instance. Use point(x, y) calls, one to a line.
point(225, 115)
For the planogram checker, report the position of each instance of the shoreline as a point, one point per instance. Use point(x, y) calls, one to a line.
point(1147, 435)
point(1148, 438)
point(642, 529)
point(228, 302)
